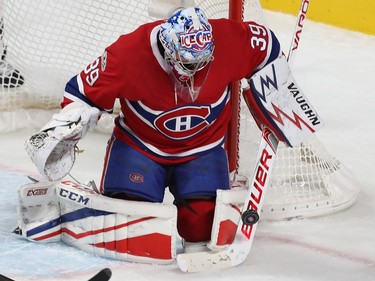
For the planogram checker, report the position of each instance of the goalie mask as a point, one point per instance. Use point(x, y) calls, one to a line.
point(187, 40)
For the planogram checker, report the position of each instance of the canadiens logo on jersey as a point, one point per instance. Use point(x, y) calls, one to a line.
point(180, 123)
point(184, 122)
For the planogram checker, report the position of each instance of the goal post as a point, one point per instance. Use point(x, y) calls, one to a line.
point(235, 12)
point(48, 42)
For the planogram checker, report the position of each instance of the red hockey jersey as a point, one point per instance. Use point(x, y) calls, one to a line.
point(153, 119)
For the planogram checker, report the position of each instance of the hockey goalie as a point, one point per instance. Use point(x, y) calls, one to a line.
point(172, 80)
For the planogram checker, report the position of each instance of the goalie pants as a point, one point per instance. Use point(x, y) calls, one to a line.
point(193, 184)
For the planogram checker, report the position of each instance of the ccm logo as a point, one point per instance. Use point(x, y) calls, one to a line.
point(36, 192)
point(73, 196)
point(259, 184)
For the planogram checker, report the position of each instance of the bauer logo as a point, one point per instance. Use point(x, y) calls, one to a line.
point(37, 192)
point(258, 188)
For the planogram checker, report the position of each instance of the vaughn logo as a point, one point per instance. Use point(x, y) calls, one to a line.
point(303, 103)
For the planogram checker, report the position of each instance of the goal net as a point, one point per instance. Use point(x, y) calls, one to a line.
point(43, 43)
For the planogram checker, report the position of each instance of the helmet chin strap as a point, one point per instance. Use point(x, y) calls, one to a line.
point(184, 87)
point(193, 92)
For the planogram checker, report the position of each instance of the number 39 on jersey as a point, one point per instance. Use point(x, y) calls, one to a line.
point(259, 37)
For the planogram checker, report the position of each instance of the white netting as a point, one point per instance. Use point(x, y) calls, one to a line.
point(49, 41)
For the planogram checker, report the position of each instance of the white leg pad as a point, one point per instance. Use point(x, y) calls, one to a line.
point(227, 215)
point(113, 228)
point(39, 212)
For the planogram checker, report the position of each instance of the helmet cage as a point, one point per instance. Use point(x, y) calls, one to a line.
point(189, 67)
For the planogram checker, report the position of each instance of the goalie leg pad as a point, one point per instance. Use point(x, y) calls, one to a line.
point(115, 228)
point(39, 212)
point(227, 215)
point(112, 228)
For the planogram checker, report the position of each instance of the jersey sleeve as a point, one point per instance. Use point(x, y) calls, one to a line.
point(99, 82)
point(242, 48)
point(263, 45)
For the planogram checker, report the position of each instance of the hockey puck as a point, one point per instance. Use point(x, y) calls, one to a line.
point(250, 217)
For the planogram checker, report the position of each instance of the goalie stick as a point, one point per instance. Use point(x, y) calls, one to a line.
point(238, 251)
point(298, 30)
point(103, 275)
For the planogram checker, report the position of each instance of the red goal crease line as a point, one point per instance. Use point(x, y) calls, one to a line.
point(325, 250)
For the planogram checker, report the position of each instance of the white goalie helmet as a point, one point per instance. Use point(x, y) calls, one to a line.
point(188, 43)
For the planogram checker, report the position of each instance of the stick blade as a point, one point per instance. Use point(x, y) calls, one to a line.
point(203, 261)
point(5, 278)
point(103, 275)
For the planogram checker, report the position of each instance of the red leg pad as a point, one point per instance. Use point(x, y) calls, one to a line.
point(196, 226)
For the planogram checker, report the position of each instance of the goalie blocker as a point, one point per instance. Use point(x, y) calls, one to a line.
point(276, 101)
